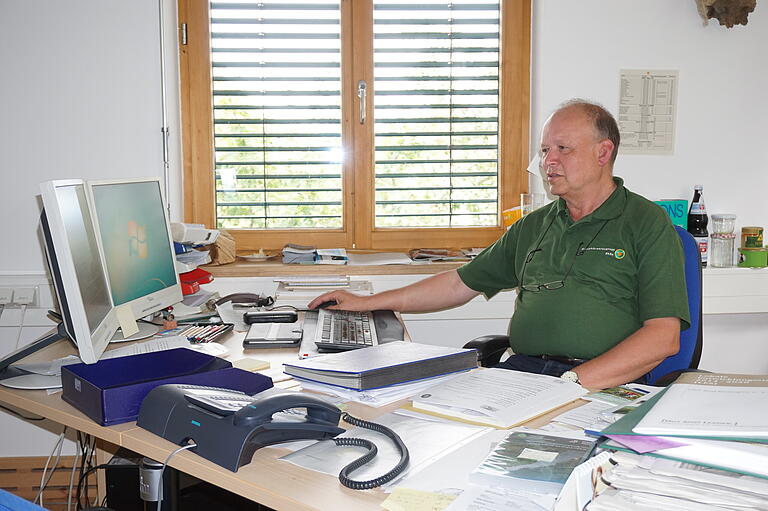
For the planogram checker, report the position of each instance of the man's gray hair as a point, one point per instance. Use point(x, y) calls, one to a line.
point(603, 122)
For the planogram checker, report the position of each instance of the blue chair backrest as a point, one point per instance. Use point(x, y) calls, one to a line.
point(691, 338)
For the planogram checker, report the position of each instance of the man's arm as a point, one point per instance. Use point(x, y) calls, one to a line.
point(441, 291)
point(657, 339)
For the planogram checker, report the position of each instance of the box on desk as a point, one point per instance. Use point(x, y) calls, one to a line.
point(111, 391)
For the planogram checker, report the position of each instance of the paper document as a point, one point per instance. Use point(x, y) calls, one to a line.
point(711, 405)
point(427, 442)
point(482, 498)
point(379, 258)
point(631, 392)
point(498, 397)
point(150, 346)
point(53, 367)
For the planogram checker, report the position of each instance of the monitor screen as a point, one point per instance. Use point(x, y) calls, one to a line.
point(78, 274)
point(136, 244)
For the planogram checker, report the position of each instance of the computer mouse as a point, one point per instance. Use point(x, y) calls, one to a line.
point(327, 304)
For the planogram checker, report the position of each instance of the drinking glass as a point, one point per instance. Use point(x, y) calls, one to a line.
point(531, 201)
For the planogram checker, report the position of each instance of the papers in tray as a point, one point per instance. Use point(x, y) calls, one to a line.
point(383, 365)
point(498, 397)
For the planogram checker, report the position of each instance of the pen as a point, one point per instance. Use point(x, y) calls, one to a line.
point(213, 332)
point(190, 334)
point(199, 336)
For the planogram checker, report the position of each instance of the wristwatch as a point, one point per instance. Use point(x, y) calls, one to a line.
point(570, 376)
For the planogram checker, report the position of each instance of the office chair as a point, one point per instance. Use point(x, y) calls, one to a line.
point(490, 348)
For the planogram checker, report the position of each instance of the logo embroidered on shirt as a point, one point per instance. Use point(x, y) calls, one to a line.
point(616, 253)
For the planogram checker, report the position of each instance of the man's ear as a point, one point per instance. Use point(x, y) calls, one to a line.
point(604, 152)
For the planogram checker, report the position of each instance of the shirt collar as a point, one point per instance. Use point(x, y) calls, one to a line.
point(611, 208)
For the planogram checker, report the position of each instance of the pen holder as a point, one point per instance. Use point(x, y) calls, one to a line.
point(204, 332)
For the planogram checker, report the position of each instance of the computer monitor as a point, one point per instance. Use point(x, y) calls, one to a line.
point(79, 280)
point(136, 246)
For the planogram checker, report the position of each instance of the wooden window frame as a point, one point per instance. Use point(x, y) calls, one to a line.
point(358, 231)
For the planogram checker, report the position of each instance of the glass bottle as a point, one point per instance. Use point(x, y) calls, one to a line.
point(697, 223)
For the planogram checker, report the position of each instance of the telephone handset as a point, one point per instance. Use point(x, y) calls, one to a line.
point(248, 411)
point(253, 298)
point(228, 426)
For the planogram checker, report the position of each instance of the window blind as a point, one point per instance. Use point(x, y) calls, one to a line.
point(436, 109)
point(276, 80)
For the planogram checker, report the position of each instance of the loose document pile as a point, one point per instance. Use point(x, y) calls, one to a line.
point(699, 445)
point(702, 444)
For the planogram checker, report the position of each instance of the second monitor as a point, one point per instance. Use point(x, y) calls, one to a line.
point(135, 241)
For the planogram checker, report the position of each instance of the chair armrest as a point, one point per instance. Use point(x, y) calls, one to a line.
point(489, 348)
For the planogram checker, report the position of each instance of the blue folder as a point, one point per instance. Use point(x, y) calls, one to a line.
point(111, 391)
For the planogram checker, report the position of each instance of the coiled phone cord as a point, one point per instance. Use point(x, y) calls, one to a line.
point(372, 450)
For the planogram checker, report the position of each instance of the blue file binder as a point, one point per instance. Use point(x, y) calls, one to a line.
point(111, 391)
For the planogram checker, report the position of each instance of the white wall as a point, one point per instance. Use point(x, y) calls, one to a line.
point(80, 97)
point(579, 48)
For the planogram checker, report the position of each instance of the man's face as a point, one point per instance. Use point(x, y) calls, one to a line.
point(572, 157)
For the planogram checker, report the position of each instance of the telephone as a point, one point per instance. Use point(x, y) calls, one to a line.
point(228, 426)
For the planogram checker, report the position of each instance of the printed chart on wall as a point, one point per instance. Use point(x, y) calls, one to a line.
point(647, 108)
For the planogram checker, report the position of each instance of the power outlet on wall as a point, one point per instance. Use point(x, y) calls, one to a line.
point(6, 295)
point(25, 295)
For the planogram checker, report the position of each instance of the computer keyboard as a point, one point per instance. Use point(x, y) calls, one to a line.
point(346, 330)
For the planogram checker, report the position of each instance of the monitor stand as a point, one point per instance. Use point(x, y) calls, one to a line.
point(146, 330)
point(16, 378)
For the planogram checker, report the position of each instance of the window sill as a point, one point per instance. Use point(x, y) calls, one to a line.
point(276, 268)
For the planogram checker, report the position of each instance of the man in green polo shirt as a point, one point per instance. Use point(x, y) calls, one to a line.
point(599, 272)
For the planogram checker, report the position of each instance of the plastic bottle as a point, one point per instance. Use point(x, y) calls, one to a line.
point(697, 223)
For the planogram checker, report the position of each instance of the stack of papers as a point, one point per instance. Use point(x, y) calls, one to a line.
point(301, 254)
point(641, 482)
point(438, 254)
point(298, 254)
point(379, 258)
point(299, 294)
point(710, 419)
point(331, 256)
point(378, 397)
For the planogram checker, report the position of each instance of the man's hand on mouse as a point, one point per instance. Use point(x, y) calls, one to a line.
point(344, 300)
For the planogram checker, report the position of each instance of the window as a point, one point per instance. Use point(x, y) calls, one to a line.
point(355, 123)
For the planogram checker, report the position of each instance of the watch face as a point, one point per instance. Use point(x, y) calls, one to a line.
point(570, 376)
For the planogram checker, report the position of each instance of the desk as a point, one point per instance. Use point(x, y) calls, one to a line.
point(273, 483)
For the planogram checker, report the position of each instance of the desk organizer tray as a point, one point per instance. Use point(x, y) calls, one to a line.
point(111, 391)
